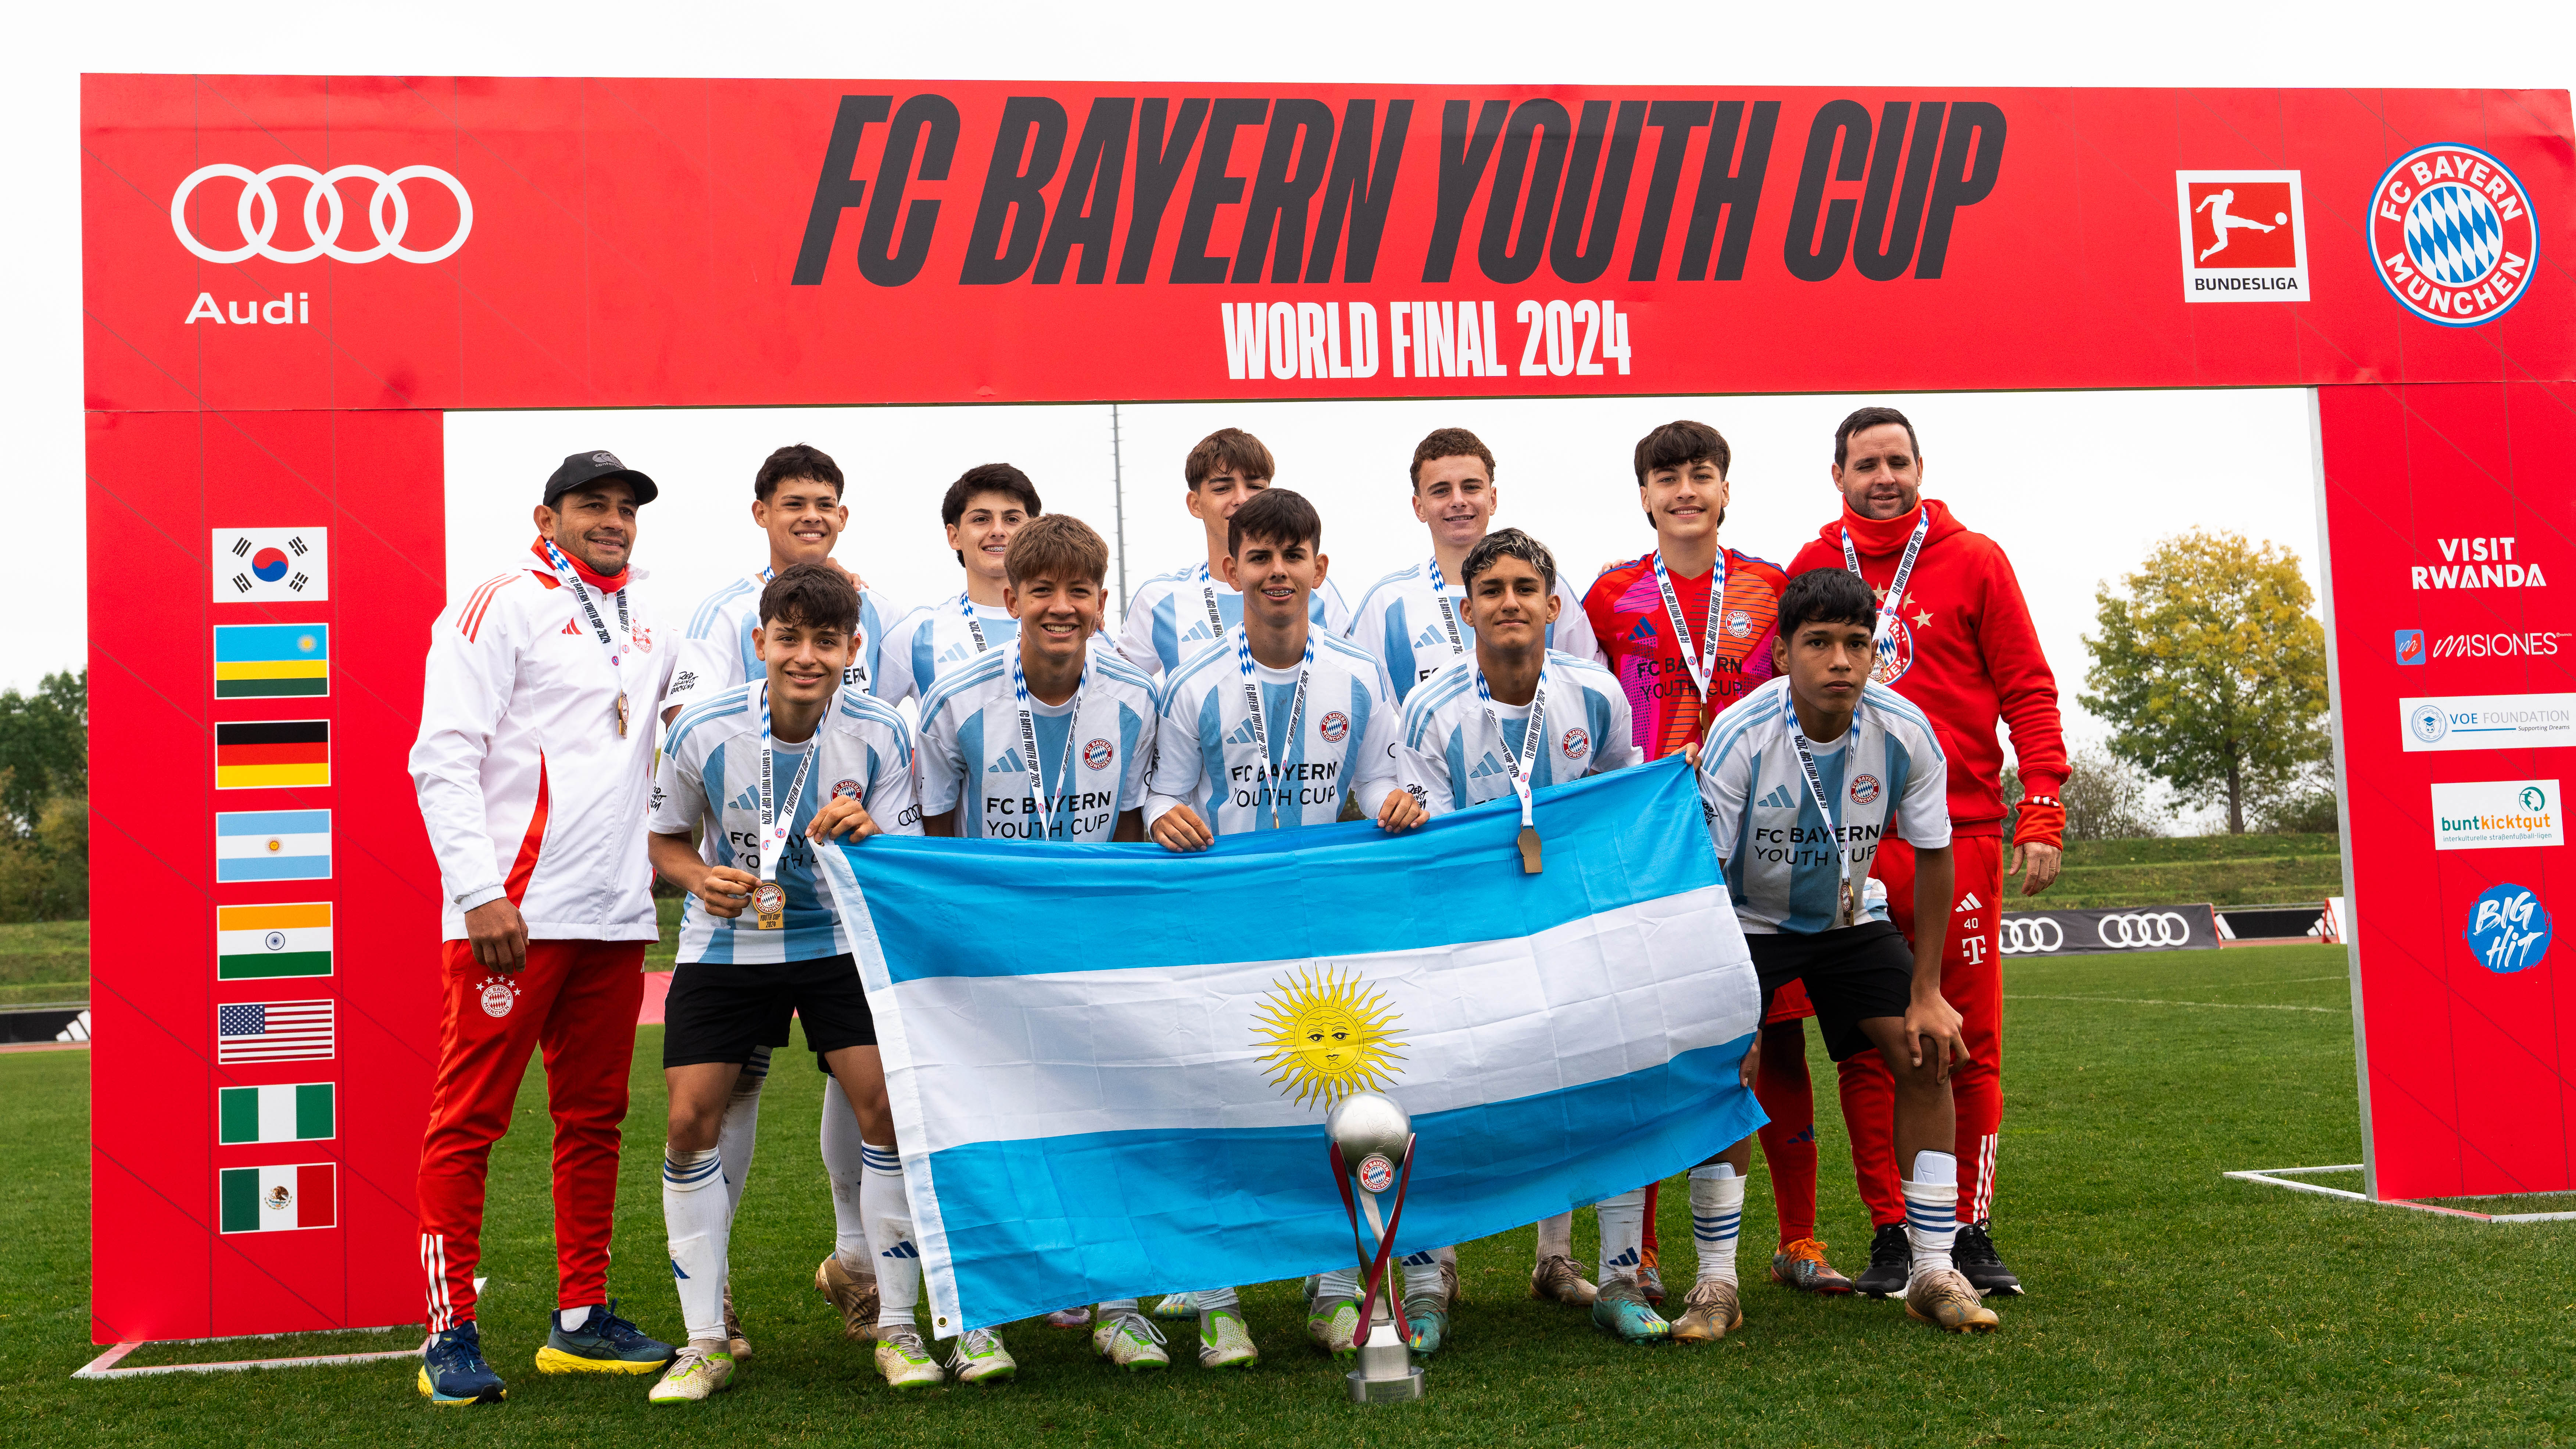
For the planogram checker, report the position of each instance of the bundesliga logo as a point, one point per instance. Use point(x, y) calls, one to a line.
point(2452, 235)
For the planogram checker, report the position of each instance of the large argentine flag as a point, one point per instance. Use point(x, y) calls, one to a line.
point(1095, 1052)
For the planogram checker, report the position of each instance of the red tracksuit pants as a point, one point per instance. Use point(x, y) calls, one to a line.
point(1972, 981)
point(578, 1000)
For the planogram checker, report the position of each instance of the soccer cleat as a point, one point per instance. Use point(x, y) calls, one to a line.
point(1225, 1341)
point(1426, 1323)
point(1945, 1299)
point(979, 1358)
point(1131, 1341)
point(1332, 1323)
point(604, 1344)
point(1974, 1252)
point(452, 1370)
point(903, 1361)
point(1621, 1309)
point(701, 1371)
point(1891, 1264)
point(1710, 1312)
point(1559, 1279)
point(1802, 1266)
point(854, 1296)
point(1070, 1318)
point(1177, 1307)
point(735, 1343)
point(1650, 1281)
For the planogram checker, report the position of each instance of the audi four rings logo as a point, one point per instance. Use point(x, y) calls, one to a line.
point(2030, 936)
point(387, 212)
point(2141, 930)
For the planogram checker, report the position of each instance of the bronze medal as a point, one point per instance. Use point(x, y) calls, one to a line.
point(1529, 850)
point(1850, 916)
point(621, 714)
point(769, 905)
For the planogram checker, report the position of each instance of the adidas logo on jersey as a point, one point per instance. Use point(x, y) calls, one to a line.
point(1436, 637)
point(572, 628)
point(1242, 734)
point(1486, 765)
point(749, 799)
point(1966, 904)
point(956, 653)
point(1009, 764)
point(1779, 799)
point(1644, 633)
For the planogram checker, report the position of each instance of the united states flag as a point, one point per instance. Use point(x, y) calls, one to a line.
point(273, 1031)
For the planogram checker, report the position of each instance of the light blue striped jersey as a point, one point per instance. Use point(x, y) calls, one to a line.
point(928, 642)
point(971, 761)
point(716, 653)
point(1167, 620)
point(1447, 754)
point(710, 772)
point(1777, 852)
point(1398, 620)
point(1204, 756)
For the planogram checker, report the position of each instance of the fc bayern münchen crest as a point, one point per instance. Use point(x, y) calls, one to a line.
point(1097, 754)
point(2452, 235)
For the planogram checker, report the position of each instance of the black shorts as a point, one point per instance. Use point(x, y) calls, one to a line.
point(724, 1011)
point(1852, 975)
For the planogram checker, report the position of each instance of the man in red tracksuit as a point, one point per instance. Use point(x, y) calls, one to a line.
point(1955, 638)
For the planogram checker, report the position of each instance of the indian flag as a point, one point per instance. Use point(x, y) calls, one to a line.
point(256, 942)
point(287, 1112)
point(280, 1199)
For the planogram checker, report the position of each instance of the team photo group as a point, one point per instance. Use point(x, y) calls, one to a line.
point(583, 737)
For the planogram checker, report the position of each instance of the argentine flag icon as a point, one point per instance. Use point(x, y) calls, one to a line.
point(1110, 1064)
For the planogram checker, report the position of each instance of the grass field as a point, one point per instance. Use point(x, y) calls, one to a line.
point(44, 961)
point(2170, 1306)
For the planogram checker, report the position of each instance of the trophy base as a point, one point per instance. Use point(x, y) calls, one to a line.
point(1403, 1390)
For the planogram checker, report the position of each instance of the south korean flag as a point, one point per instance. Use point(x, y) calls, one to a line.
point(272, 565)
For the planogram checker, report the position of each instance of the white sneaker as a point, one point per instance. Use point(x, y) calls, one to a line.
point(903, 1360)
point(701, 1370)
point(1130, 1341)
point(979, 1358)
point(1070, 1317)
point(1224, 1341)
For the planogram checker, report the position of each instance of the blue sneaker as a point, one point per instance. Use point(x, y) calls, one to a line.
point(452, 1370)
point(1621, 1309)
point(604, 1344)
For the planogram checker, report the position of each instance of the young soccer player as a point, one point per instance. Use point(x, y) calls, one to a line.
point(1175, 615)
point(1273, 732)
point(985, 506)
point(773, 769)
point(1800, 781)
point(1414, 620)
point(1048, 742)
point(1512, 717)
point(796, 501)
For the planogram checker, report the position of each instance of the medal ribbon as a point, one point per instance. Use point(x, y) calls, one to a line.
point(1816, 792)
point(974, 626)
point(1525, 765)
point(1207, 593)
point(776, 823)
point(1893, 602)
point(615, 649)
point(1701, 659)
point(1270, 769)
point(1029, 742)
point(1448, 612)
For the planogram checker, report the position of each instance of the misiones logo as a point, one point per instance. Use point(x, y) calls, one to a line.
point(258, 210)
point(2452, 234)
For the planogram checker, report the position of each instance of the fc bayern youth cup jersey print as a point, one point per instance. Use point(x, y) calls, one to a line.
point(1167, 620)
point(1208, 756)
point(711, 772)
point(971, 757)
point(1777, 851)
point(1448, 753)
point(1634, 634)
point(716, 652)
point(1400, 621)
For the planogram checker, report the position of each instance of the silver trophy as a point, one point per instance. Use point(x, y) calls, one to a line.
point(1372, 1149)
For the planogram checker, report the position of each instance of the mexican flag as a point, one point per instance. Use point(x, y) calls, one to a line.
point(279, 1199)
point(289, 1112)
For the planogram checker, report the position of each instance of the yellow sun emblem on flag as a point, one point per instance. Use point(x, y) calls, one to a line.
point(1328, 1034)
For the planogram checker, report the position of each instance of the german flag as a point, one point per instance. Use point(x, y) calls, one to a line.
point(267, 754)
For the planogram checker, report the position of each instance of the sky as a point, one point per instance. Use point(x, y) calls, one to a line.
point(2076, 486)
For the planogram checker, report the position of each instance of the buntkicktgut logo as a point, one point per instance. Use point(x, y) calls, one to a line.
point(2410, 646)
point(2452, 234)
point(2508, 929)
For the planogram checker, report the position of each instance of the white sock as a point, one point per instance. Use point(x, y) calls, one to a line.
point(1623, 1234)
point(1717, 1215)
point(845, 1162)
point(1337, 1283)
point(1556, 1237)
point(1932, 1211)
point(569, 1319)
point(697, 1218)
point(1422, 1276)
point(1111, 1307)
point(1209, 1300)
point(889, 1219)
point(740, 1132)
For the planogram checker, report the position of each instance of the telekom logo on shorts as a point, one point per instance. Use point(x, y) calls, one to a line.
point(258, 210)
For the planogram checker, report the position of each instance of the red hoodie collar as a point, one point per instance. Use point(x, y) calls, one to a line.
point(605, 583)
point(1877, 537)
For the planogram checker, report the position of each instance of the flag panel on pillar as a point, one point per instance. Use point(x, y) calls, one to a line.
point(258, 942)
point(272, 565)
point(270, 661)
point(280, 1112)
point(279, 1199)
point(269, 754)
point(255, 845)
point(1141, 1108)
point(273, 1031)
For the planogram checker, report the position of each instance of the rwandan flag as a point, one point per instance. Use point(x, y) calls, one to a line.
point(267, 661)
point(1110, 1064)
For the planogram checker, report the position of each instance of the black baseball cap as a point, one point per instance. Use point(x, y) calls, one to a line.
point(583, 469)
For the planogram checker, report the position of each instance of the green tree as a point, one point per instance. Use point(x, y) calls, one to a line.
point(2212, 671)
point(44, 750)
